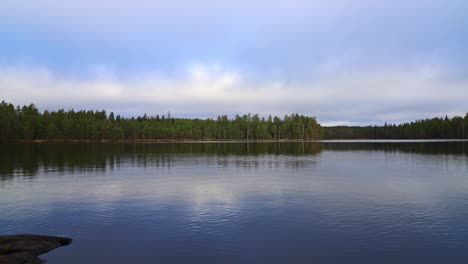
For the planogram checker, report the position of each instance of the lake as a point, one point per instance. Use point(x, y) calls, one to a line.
point(314, 202)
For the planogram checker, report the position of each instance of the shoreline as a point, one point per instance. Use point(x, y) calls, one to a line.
point(39, 141)
point(161, 141)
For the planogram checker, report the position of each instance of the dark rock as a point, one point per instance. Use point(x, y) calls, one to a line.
point(24, 249)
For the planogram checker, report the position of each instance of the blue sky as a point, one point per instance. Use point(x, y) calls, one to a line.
point(346, 62)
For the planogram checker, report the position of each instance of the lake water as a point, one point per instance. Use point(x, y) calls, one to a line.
point(328, 202)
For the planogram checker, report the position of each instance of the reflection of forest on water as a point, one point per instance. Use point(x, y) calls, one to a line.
point(419, 147)
point(29, 159)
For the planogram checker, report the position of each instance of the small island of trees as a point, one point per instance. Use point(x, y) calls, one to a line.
point(434, 128)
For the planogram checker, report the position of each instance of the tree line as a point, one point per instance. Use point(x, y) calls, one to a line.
point(28, 123)
point(434, 128)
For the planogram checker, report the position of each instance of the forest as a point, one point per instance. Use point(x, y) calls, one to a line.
point(28, 123)
point(434, 128)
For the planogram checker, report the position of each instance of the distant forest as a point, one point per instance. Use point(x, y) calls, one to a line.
point(28, 123)
point(435, 128)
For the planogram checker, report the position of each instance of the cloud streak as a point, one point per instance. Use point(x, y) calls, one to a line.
point(347, 62)
point(206, 90)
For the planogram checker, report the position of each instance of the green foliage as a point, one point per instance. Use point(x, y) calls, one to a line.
point(435, 128)
point(27, 123)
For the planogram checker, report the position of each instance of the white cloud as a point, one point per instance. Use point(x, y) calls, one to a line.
point(210, 89)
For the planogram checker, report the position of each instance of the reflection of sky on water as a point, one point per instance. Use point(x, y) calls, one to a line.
point(215, 181)
point(336, 200)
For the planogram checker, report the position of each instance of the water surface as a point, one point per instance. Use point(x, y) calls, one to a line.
point(329, 202)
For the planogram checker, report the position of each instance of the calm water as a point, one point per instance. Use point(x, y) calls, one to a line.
point(330, 202)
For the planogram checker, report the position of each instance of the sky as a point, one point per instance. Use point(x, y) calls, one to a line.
point(346, 62)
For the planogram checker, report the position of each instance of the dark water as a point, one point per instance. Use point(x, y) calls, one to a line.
point(384, 202)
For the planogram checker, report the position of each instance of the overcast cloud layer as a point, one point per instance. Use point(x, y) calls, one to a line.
point(346, 62)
